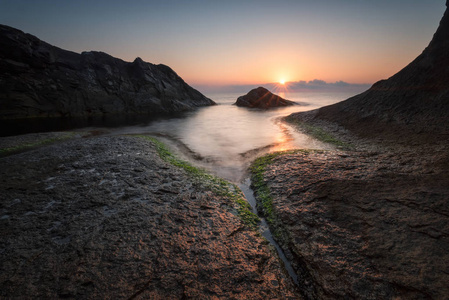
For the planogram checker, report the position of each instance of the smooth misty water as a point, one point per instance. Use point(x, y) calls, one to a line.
point(227, 138)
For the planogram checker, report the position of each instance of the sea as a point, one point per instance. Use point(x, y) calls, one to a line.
point(225, 138)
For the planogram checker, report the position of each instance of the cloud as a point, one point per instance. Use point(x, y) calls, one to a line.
point(317, 82)
point(319, 85)
point(292, 86)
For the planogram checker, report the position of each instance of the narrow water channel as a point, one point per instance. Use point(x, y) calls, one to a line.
point(239, 173)
point(265, 230)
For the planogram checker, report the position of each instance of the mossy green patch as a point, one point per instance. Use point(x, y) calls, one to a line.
point(263, 194)
point(209, 182)
point(318, 133)
point(261, 189)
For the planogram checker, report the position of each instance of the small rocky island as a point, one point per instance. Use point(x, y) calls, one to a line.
point(40, 80)
point(262, 98)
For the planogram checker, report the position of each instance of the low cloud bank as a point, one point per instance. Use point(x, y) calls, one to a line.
point(292, 86)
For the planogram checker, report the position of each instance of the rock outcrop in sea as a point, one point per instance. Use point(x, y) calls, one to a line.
point(415, 100)
point(262, 98)
point(41, 80)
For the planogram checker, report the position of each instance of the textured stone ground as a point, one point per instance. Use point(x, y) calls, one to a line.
point(105, 217)
point(371, 224)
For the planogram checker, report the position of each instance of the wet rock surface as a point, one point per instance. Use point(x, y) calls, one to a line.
point(105, 217)
point(262, 98)
point(41, 80)
point(365, 224)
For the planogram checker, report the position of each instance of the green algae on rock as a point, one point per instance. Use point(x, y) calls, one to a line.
point(213, 183)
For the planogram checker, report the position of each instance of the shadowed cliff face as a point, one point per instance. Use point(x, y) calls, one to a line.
point(40, 80)
point(414, 99)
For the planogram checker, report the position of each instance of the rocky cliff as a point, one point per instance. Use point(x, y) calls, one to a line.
point(414, 99)
point(262, 98)
point(41, 80)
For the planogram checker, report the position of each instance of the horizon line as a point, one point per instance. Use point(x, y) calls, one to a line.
point(316, 84)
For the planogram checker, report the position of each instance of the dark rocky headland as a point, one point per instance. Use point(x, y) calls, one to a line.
point(38, 80)
point(370, 220)
point(262, 98)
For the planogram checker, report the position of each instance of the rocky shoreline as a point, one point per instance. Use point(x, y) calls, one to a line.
point(366, 223)
point(106, 217)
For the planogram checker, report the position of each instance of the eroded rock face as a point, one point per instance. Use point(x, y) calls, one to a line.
point(105, 217)
point(415, 100)
point(262, 98)
point(41, 80)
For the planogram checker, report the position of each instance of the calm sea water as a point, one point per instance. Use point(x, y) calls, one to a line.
point(227, 137)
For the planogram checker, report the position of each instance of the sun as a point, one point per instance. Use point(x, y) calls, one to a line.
point(282, 81)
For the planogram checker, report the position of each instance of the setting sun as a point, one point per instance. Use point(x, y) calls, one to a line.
point(282, 81)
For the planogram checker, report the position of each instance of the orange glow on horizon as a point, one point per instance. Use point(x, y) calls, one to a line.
point(282, 67)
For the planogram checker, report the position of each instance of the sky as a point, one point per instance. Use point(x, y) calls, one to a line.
point(229, 42)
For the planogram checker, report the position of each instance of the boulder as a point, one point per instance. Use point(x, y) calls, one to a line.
point(262, 98)
point(41, 80)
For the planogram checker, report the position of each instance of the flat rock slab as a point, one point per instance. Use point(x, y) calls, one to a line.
point(105, 217)
point(366, 225)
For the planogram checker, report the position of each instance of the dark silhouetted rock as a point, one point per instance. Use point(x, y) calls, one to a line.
point(41, 80)
point(415, 99)
point(262, 98)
